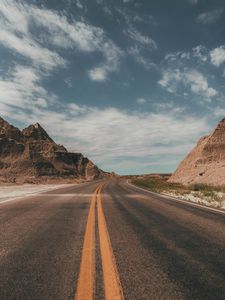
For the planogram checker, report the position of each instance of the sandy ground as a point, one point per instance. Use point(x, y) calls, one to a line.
point(11, 192)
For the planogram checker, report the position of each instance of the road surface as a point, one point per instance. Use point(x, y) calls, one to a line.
point(109, 240)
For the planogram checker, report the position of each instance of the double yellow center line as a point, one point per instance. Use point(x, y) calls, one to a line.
point(86, 282)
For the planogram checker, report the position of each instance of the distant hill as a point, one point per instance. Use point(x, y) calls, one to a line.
point(32, 156)
point(206, 162)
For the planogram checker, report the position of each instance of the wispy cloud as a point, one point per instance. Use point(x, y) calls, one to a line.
point(58, 32)
point(27, 47)
point(41, 40)
point(141, 39)
point(188, 78)
point(201, 53)
point(22, 89)
point(135, 52)
point(68, 82)
point(15, 34)
point(83, 36)
point(79, 4)
point(24, 98)
point(138, 133)
point(141, 100)
point(140, 42)
point(198, 54)
point(210, 16)
point(219, 112)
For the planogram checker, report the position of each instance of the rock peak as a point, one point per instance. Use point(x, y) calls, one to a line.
point(32, 156)
point(222, 121)
point(9, 131)
point(3, 122)
point(36, 132)
point(37, 125)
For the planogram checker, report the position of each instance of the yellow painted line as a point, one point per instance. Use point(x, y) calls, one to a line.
point(112, 285)
point(86, 281)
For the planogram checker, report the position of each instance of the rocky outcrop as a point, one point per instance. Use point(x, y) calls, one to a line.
point(206, 162)
point(35, 132)
point(10, 132)
point(31, 155)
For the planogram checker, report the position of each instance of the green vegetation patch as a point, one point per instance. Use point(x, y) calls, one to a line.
point(161, 185)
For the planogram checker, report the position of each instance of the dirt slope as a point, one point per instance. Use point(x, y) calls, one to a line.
point(206, 162)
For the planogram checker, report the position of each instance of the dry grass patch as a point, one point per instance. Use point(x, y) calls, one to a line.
point(201, 193)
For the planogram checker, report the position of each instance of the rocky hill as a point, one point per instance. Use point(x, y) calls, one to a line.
point(206, 162)
point(32, 156)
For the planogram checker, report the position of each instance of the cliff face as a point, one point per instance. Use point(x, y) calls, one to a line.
point(206, 162)
point(32, 155)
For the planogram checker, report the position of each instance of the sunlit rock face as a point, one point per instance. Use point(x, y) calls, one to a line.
point(31, 154)
point(206, 162)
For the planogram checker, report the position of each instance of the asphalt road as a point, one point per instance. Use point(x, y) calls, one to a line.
point(41, 243)
point(162, 249)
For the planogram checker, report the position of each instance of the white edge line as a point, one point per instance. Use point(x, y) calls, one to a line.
point(18, 198)
point(177, 199)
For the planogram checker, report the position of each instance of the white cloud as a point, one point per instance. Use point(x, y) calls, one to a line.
point(96, 131)
point(23, 98)
point(32, 50)
point(14, 16)
point(15, 34)
point(84, 37)
point(68, 82)
point(210, 17)
point(217, 56)
point(143, 40)
point(199, 84)
point(79, 4)
point(219, 112)
point(22, 88)
point(177, 57)
point(111, 64)
point(200, 52)
point(93, 131)
point(98, 74)
point(141, 100)
point(188, 78)
point(135, 52)
point(170, 80)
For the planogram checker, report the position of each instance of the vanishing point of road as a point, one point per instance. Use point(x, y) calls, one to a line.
point(110, 240)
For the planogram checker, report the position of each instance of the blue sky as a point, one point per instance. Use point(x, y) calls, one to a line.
point(131, 84)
